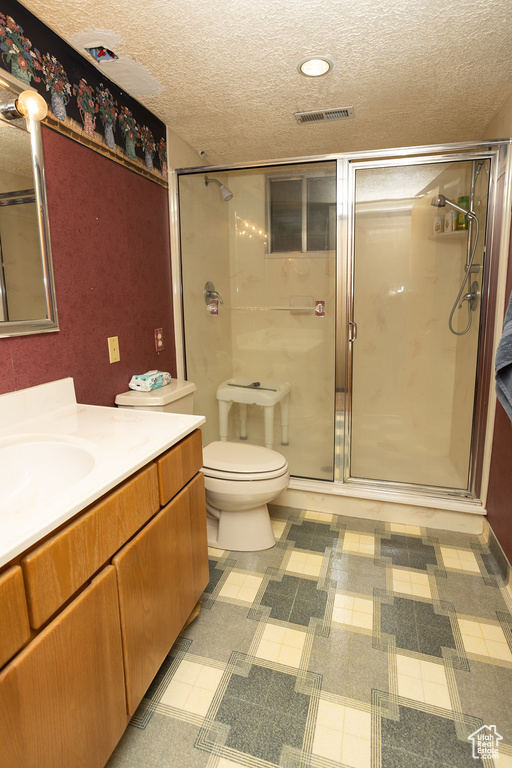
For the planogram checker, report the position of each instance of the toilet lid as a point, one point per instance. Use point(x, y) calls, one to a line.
point(242, 459)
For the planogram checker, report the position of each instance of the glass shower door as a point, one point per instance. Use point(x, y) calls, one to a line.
point(270, 253)
point(413, 377)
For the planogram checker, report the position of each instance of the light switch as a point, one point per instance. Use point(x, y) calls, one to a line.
point(113, 349)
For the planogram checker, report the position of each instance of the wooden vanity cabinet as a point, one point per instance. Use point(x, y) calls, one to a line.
point(106, 598)
point(62, 699)
point(161, 575)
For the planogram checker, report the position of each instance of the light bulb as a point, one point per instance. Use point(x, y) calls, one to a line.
point(31, 104)
point(315, 66)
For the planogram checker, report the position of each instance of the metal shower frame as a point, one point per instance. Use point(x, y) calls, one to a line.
point(498, 152)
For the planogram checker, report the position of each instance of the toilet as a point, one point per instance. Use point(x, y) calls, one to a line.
point(240, 478)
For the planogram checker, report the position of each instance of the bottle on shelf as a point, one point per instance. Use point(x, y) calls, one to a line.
point(462, 220)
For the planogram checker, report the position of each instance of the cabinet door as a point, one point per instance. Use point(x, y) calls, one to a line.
point(161, 575)
point(62, 699)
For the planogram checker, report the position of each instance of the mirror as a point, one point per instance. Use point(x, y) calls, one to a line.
point(27, 293)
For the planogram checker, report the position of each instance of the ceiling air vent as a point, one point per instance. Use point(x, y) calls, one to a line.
point(322, 115)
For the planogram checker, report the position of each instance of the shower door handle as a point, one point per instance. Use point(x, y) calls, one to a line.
point(352, 330)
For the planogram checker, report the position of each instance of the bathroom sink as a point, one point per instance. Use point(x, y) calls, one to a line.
point(32, 470)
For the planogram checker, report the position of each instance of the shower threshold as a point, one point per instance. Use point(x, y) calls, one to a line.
point(395, 495)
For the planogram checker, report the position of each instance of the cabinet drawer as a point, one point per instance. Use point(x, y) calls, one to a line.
point(54, 571)
point(14, 626)
point(179, 465)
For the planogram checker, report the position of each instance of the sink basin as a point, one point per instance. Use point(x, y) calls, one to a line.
point(33, 470)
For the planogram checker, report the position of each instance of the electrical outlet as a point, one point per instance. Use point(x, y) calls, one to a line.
point(159, 339)
point(113, 349)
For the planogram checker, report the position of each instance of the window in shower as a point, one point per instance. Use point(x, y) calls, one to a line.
point(301, 213)
point(414, 361)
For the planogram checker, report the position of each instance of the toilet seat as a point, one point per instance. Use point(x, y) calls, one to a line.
point(242, 476)
point(233, 461)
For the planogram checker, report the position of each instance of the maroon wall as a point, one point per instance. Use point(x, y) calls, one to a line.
point(499, 497)
point(109, 231)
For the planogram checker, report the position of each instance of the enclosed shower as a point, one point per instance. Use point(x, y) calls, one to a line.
point(337, 308)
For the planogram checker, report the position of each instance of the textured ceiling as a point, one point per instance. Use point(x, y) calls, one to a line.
point(416, 72)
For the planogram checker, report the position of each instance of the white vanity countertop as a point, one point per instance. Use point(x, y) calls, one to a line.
point(120, 440)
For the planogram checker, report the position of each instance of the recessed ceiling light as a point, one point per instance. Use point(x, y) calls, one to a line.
point(315, 66)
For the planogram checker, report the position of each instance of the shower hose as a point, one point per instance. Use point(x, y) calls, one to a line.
point(467, 279)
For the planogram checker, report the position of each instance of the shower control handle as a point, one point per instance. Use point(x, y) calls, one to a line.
point(210, 293)
point(472, 297)
point(352, 330)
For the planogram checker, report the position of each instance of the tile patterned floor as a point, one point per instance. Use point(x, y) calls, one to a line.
point(351, 644)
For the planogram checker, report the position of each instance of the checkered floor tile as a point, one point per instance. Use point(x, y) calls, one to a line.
point(350, 644)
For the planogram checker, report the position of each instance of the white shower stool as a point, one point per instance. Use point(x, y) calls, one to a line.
point(268, 394)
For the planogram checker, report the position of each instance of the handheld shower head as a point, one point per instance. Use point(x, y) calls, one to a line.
point(225, 192)
point(440, 201)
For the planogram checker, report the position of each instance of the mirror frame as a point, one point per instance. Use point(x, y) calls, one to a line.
point(50, 322)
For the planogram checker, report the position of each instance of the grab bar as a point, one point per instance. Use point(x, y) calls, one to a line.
point(275, 309)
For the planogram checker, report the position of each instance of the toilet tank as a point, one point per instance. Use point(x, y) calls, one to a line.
point(176, 397)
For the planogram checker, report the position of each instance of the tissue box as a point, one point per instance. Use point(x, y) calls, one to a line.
point(145, 382)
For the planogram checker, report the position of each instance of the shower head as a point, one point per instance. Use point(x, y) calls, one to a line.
point(225, 192)
point(440, 201)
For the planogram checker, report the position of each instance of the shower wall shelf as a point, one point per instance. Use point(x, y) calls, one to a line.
point(457, 235)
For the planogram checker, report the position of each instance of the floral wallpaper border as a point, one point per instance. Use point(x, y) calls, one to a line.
point(82, 103)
